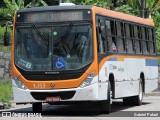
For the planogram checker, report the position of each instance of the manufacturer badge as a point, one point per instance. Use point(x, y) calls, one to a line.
point(52, 85)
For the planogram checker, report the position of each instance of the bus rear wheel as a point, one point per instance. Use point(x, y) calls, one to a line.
point(37, 107)
point(106, 104)
point(135, 100)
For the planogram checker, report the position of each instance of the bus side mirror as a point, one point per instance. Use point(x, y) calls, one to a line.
point(6, 38)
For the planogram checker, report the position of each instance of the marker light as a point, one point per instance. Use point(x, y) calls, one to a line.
point(19, 83)
point(66, 4)
point(88, 80)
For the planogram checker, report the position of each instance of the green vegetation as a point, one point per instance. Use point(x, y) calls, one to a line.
point(14, 5)
point(6, 93)
point(2, 30)
point(6, 14)
point(5, 49)
point(132, 7)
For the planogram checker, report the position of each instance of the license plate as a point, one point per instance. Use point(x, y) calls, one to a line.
point(53, 99)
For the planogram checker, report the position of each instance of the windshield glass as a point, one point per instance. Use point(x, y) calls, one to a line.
point(54, 48)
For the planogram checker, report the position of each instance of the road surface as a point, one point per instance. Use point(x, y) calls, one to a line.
point(150, 109)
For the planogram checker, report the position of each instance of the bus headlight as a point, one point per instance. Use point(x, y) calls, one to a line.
point(88, 80)
point(19, 83)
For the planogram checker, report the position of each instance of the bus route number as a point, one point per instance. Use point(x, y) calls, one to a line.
point(39, 85)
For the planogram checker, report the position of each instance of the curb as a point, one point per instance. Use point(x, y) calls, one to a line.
point(154, 93)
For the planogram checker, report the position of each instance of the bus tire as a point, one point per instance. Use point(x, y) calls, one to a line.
point(37, 107)
point(139, 98)
point(135, 100)
point(106, 104)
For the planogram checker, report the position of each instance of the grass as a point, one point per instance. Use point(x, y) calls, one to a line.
point(5, 49)
point(6, 93)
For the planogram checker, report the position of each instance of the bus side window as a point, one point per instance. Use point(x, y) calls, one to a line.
point(140, 39)
point(151, 41)
point(120, 40)
point(101, 36)
point(109, 35)
point(123, 37)
point(128, 39)
point(154, 41)
point(144, 45)
point(147, 39)
point(136, 39)
point(132, 37)
point(113, 33)
point(131, 43)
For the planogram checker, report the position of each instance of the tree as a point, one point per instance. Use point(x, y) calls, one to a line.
point(14, 5)
point(100, 3)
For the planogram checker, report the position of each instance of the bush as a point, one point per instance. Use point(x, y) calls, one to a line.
point(6, 93)
point(2, 30)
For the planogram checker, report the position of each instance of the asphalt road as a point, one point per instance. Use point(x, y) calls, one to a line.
point(150, 107)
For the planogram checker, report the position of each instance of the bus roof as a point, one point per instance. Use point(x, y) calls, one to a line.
point(47, 8)
point(96, 10)
point(122, 16)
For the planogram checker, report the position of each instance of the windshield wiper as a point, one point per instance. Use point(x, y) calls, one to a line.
point(41, 36)
point(64, 37)
point(67, 32)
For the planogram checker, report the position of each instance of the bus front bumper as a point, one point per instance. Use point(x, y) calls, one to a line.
point(89, 93)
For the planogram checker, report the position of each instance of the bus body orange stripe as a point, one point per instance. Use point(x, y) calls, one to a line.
point(122, 57)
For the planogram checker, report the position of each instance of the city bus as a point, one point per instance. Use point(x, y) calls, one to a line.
point(66, 54)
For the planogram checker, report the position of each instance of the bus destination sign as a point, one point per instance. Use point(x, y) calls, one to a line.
point(53, 17)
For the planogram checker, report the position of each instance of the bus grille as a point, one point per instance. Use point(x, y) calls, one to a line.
point(63, 95)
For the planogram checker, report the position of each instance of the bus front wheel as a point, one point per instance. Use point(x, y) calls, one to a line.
point(37, 107)
point(106, 104)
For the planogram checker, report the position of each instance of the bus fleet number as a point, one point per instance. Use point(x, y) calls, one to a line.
point(39, 85)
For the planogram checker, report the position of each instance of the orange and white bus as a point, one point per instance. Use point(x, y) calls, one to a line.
point(82, 53)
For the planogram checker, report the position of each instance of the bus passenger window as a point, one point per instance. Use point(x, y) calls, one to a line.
point(151, 41)
point(147, 40)
point(113, 32)
point(132, 43)
point(103, 36)
point(109, 35)
point(136, 39)
point(144, 45)
point(140, 39)
point(119, 39)
point(128, 39)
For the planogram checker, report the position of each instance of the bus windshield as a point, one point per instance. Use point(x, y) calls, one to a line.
point(53, 48)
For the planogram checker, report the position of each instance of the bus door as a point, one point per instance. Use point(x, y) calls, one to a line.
point(101, 45)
